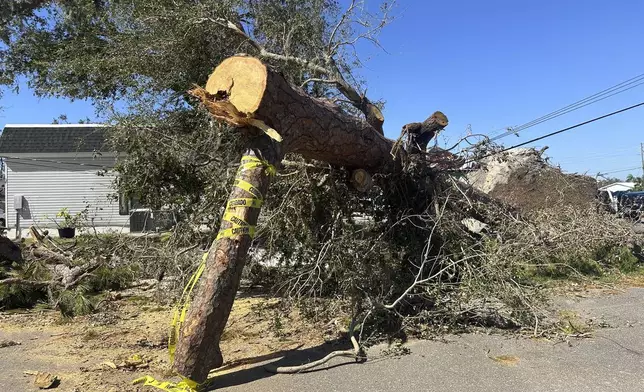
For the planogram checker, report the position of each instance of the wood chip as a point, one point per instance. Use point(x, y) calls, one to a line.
point(109, 364)
point(46, 380)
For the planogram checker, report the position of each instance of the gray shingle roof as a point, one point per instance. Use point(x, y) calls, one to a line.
point(52, 138)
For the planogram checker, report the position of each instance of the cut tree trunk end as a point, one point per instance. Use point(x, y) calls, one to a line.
point(361, 180)
point(197, 350)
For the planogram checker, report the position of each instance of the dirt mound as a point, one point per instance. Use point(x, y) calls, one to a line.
point(523, 179)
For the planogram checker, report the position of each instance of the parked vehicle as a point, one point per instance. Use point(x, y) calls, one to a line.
point(631, 205)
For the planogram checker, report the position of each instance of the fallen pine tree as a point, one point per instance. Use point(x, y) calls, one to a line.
point(418, 203)
point(247, 93)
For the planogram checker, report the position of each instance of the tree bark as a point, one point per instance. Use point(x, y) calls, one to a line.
point(421, 133)
point(197, 351)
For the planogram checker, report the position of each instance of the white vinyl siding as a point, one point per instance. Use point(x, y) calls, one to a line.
point(50, 184)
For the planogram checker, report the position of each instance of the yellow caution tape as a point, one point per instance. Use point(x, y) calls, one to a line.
point(181, 309)
point(235, 231)
point(180, 312)
point(235, 220)
point(242, 202)
point(186, 385)
point(251, 162)
point(240, 226)
point(248, 187)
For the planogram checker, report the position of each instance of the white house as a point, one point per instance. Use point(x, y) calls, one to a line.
point(50, 167)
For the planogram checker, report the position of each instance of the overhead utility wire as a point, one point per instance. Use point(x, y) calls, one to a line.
point(619, 171)
point(52, 161)
point(47, 166)
point(562, 130)
point(604, 94)
point(609, 90)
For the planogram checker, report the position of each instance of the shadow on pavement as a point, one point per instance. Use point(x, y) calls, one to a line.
point(287, 358)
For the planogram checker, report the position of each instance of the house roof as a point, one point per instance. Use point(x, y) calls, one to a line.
point(52, 138)
point(618, 185)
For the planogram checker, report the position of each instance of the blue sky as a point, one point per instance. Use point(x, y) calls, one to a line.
point(491, 64)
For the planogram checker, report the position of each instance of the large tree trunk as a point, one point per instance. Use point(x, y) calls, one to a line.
point(245, 92)
point(198, 350)
point(243, 88)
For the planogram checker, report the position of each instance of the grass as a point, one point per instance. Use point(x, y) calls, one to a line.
point(571, 323)
point(606, 264)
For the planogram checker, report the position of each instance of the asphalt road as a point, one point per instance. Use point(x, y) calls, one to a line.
point(611, 360)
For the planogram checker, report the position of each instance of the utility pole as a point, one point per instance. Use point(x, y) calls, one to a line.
point(642, 152)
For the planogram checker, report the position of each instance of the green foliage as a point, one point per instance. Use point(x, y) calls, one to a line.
point(20, 296)
point(121, 265)
point(112, 278)
point(277, 327)
point(318, 231)
point(639, 182)
point(24, 295)
point(331, 241)
point(571, 243)
point(75, 302)
point(622, 258)
point(69, 220)
point(136, 60)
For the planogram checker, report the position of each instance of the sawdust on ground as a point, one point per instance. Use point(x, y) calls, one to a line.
point(106, 351)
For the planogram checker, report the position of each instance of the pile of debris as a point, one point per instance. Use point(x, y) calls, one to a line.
point(68, 276)
point(524, 179)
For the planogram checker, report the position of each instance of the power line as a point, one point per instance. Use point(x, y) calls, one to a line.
point(604, 94)
point(593, 98)
point(53, 161)
point(579, 104)
point(563, 130)
point(582, 159)
point(573, 109)
point(46, 166)
point(612, 153)
point(619, 171)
